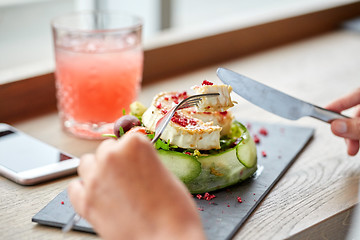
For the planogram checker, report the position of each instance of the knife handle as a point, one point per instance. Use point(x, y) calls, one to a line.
point(326, 115)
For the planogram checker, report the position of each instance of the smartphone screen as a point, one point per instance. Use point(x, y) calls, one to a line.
point(21, 153)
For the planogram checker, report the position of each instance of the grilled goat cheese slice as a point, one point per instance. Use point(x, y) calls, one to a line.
point(214, 104)
point(183, 130)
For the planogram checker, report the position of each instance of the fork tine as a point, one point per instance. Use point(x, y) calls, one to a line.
point(189, 103)
point(186, 105)
point(192, 100)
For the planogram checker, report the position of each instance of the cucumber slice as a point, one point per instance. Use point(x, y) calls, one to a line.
point(184, 166)
point(222, 170)
point(246, 151)
point(208, 173)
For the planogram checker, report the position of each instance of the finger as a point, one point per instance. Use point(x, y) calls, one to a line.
point(357, 112)
point(353, 146)
point(346, 128)
point(135, 138)
point(129, 144)
point(76, 193)
point(140, 144)
point(86, 166)
point(345, 102)
point(105, 147)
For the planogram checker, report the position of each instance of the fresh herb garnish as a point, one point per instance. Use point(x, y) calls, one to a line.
point(121, 131)
point(124, 112)
point(109, 135)
point(161, 144)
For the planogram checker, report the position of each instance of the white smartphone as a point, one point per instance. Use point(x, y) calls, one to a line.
point(28, 161)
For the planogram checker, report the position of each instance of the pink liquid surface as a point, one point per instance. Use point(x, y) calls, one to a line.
point(95, 87)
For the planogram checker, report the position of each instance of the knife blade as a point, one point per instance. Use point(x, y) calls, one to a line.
point(273, 100)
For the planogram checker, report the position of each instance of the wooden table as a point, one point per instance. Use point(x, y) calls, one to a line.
point(322, 185)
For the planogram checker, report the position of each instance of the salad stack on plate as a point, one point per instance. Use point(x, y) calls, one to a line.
point(203, 146)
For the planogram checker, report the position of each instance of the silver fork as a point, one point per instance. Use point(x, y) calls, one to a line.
point(159, 129)
point(187, 102)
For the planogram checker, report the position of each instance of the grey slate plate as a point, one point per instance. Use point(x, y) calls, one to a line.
point(223, 215)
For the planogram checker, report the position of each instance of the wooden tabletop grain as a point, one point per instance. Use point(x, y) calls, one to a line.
point(322, 183)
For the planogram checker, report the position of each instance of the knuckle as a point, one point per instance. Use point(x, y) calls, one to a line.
point(111, 156)
point(105, 144)
point(137, 148)
point(130, 147)
point(132, 139)
point(106, 150)
point(83, 161)
point(133, 142)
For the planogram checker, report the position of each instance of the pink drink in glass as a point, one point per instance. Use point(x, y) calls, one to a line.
point(99, 63)
point(95, 87)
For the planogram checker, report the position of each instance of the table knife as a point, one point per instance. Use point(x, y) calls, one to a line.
point(273, 100)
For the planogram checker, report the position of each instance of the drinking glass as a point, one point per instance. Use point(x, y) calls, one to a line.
point(99, 65)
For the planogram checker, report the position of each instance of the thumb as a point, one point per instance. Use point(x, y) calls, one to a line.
point(346, 128)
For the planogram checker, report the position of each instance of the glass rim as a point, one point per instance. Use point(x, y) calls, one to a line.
point(138, 22)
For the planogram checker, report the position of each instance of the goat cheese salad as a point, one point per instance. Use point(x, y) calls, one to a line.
point(204, 146)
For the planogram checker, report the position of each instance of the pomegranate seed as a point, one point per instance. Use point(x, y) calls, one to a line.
point(263, 153)
point(256, 139)
point(206, 82)
point(263, 131)
point(209, 196)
